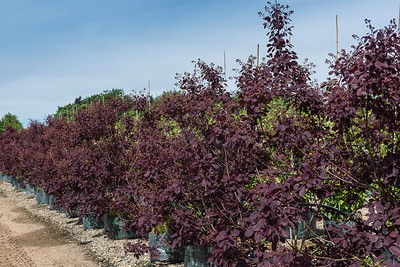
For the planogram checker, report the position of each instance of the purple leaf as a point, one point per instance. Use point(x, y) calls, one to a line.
point(395, 250)
point(302, 191)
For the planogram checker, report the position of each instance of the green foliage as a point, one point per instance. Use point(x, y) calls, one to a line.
point(161, 229)
point(170, 127)
point(348, 200)
point(10, 120)
point(69, 110)
point(119, 125)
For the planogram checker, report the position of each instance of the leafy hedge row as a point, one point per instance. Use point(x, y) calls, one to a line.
point(241, 172)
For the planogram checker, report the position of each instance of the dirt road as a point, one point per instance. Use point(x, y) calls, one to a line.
point(27, 241)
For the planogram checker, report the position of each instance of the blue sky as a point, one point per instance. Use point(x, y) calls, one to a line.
point(54, 51)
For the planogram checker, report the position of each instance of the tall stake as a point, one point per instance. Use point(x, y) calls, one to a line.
point(337, 39)
point(258, 54)
point(224, 66)
point(149, 93)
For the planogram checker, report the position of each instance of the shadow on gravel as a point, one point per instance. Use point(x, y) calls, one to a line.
point(39, 238)
point(22, 218)
point(49, 232)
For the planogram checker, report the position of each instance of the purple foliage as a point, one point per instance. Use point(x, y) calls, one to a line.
point(241, 173)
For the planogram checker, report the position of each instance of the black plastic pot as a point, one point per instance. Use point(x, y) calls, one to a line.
point(22, 186)
point(59, 209)
point(52, 200)
point(52, 206)
point(304, 228)
point(5, 178)
point(162, 250)
point(90, 222)
point(70, 214)
point(106, 224)
point(15, 182)
point(197, 256)
point(9, 178)
point(41, 196)
point(243, 263)
point(29, 189)
point(116, 228)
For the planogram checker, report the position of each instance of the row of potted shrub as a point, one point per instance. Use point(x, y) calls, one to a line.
point(160, 246)
point(116, 228)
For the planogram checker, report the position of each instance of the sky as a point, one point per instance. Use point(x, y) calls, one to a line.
point(52, 52)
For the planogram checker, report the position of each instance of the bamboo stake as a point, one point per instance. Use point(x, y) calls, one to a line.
point(337, 45)
point(224, 66)
point(149, 94)
point(337, 39)
point(258, 54)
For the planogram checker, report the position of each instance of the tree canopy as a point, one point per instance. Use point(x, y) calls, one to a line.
point(10, 120)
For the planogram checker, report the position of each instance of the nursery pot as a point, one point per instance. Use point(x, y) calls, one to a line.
point(304, 228)
point(53, 206)
point(29, 189)
point(105, 221)
point(8, 178)
point(15, 182)
point(116, 229)
point(52, 200)
point(71, 213)
point(5, 178)
point(22, 185)
point(41, 196)
point(162, 250)
point(197, 256)
point(90, 222)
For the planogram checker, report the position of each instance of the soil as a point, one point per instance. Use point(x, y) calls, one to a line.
point(29, 241)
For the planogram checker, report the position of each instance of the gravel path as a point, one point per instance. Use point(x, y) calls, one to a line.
point(28, 230)
point(26, 241)
point(11, 254)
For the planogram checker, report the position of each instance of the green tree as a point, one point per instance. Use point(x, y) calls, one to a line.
point(10, 120)
point(68, 110)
